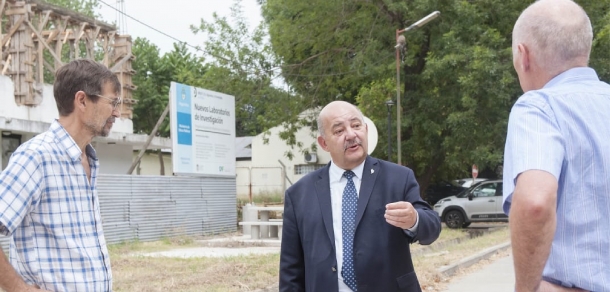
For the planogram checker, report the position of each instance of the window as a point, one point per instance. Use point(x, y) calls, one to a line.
point(10, 142)
point(307, 168)
point(485, 190)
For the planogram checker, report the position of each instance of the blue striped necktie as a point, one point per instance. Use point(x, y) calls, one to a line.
point(348, 211)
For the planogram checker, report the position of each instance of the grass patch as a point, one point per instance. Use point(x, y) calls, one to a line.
point(241, 273)
point(449, 234)
point(127, 248)
point(262, 198)
point(446, 236)
point(245, 273)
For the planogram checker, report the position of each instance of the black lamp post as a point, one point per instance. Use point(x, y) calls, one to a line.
point(389, 104)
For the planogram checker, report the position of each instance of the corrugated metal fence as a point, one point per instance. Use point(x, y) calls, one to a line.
point(152, 207)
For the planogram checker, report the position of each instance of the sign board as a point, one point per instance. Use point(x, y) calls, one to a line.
point(475, 171)
point(202, 130)
point(372, 136)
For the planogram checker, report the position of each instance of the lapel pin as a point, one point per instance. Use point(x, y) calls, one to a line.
point(372, 171)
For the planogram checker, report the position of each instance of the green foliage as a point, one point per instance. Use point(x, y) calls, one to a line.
point(239, 63)
point(600, 56)
point(86, 7)
point(457, 79)
point(153, 77)
point(243, 64)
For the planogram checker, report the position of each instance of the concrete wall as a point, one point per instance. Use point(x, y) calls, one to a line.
point(149, 164)
point(242, 177)
point(45, 112)
point(266, 157)
point(31, 121)
point(114, 158)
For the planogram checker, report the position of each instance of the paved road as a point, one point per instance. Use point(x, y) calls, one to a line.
point(498, 277)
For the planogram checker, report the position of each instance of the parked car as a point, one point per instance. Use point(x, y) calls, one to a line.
point(480, 203)
point(468, 182)
point(441, 190)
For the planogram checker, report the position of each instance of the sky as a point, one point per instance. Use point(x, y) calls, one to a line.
point(172, 17)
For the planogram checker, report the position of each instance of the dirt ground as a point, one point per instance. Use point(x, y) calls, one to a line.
point(133, 272)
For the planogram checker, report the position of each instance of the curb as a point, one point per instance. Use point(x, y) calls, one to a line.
point(450, 270)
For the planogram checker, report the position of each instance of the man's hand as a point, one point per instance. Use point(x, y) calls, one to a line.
point(400, 214)
point(549, 287)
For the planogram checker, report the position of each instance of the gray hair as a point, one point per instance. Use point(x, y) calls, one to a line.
point(559, 31)
point(320, 121)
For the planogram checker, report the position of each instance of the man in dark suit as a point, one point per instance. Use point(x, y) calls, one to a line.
point(348, 226)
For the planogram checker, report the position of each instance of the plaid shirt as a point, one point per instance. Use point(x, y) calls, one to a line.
point(53, 214)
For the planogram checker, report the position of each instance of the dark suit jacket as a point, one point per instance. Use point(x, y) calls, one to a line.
point(382, 257)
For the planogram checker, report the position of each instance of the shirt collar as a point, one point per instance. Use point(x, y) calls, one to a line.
point(336, 173)
point(574, 74)
point(65, 141)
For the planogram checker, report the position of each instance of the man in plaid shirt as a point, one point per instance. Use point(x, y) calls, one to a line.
point(48, 195)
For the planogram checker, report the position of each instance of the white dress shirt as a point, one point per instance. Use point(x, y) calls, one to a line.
point(337, 184)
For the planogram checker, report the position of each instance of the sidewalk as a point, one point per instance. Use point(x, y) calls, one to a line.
point(498, 276)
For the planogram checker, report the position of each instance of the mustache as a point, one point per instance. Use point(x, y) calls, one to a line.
point(351, 143)
point(111, 120)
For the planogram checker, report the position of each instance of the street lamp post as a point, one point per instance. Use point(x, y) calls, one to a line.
point(401, 46)
point(389, 104)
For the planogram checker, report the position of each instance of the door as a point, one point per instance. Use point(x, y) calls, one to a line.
point(10, 142)
point(499, 210)
point(484, 202)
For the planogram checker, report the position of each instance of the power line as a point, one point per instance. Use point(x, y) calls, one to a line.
point(227, 60)
point(144, 24)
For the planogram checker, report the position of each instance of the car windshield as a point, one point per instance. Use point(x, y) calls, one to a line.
point(464, 193)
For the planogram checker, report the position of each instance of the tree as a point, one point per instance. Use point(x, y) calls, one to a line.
point(154, 75)
point(243, 64)
point(153, 87)
point(458, 81)
point(86, 7)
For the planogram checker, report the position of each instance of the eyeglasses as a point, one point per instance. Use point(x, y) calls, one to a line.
point(115, 102)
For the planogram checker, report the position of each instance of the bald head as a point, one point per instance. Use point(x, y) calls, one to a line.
point(557, 32)
point(334, 107)
point(343, 133)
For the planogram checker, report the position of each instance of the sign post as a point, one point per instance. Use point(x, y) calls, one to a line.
point(475, 172)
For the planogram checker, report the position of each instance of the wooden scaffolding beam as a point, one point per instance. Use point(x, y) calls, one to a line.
point(33, 38)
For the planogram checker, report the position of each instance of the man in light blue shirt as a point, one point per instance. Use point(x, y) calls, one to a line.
point(557, 155)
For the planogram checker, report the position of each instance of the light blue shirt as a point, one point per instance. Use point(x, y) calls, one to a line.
point(564, 129)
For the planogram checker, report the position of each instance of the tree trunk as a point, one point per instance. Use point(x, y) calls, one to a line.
point(424, 180)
